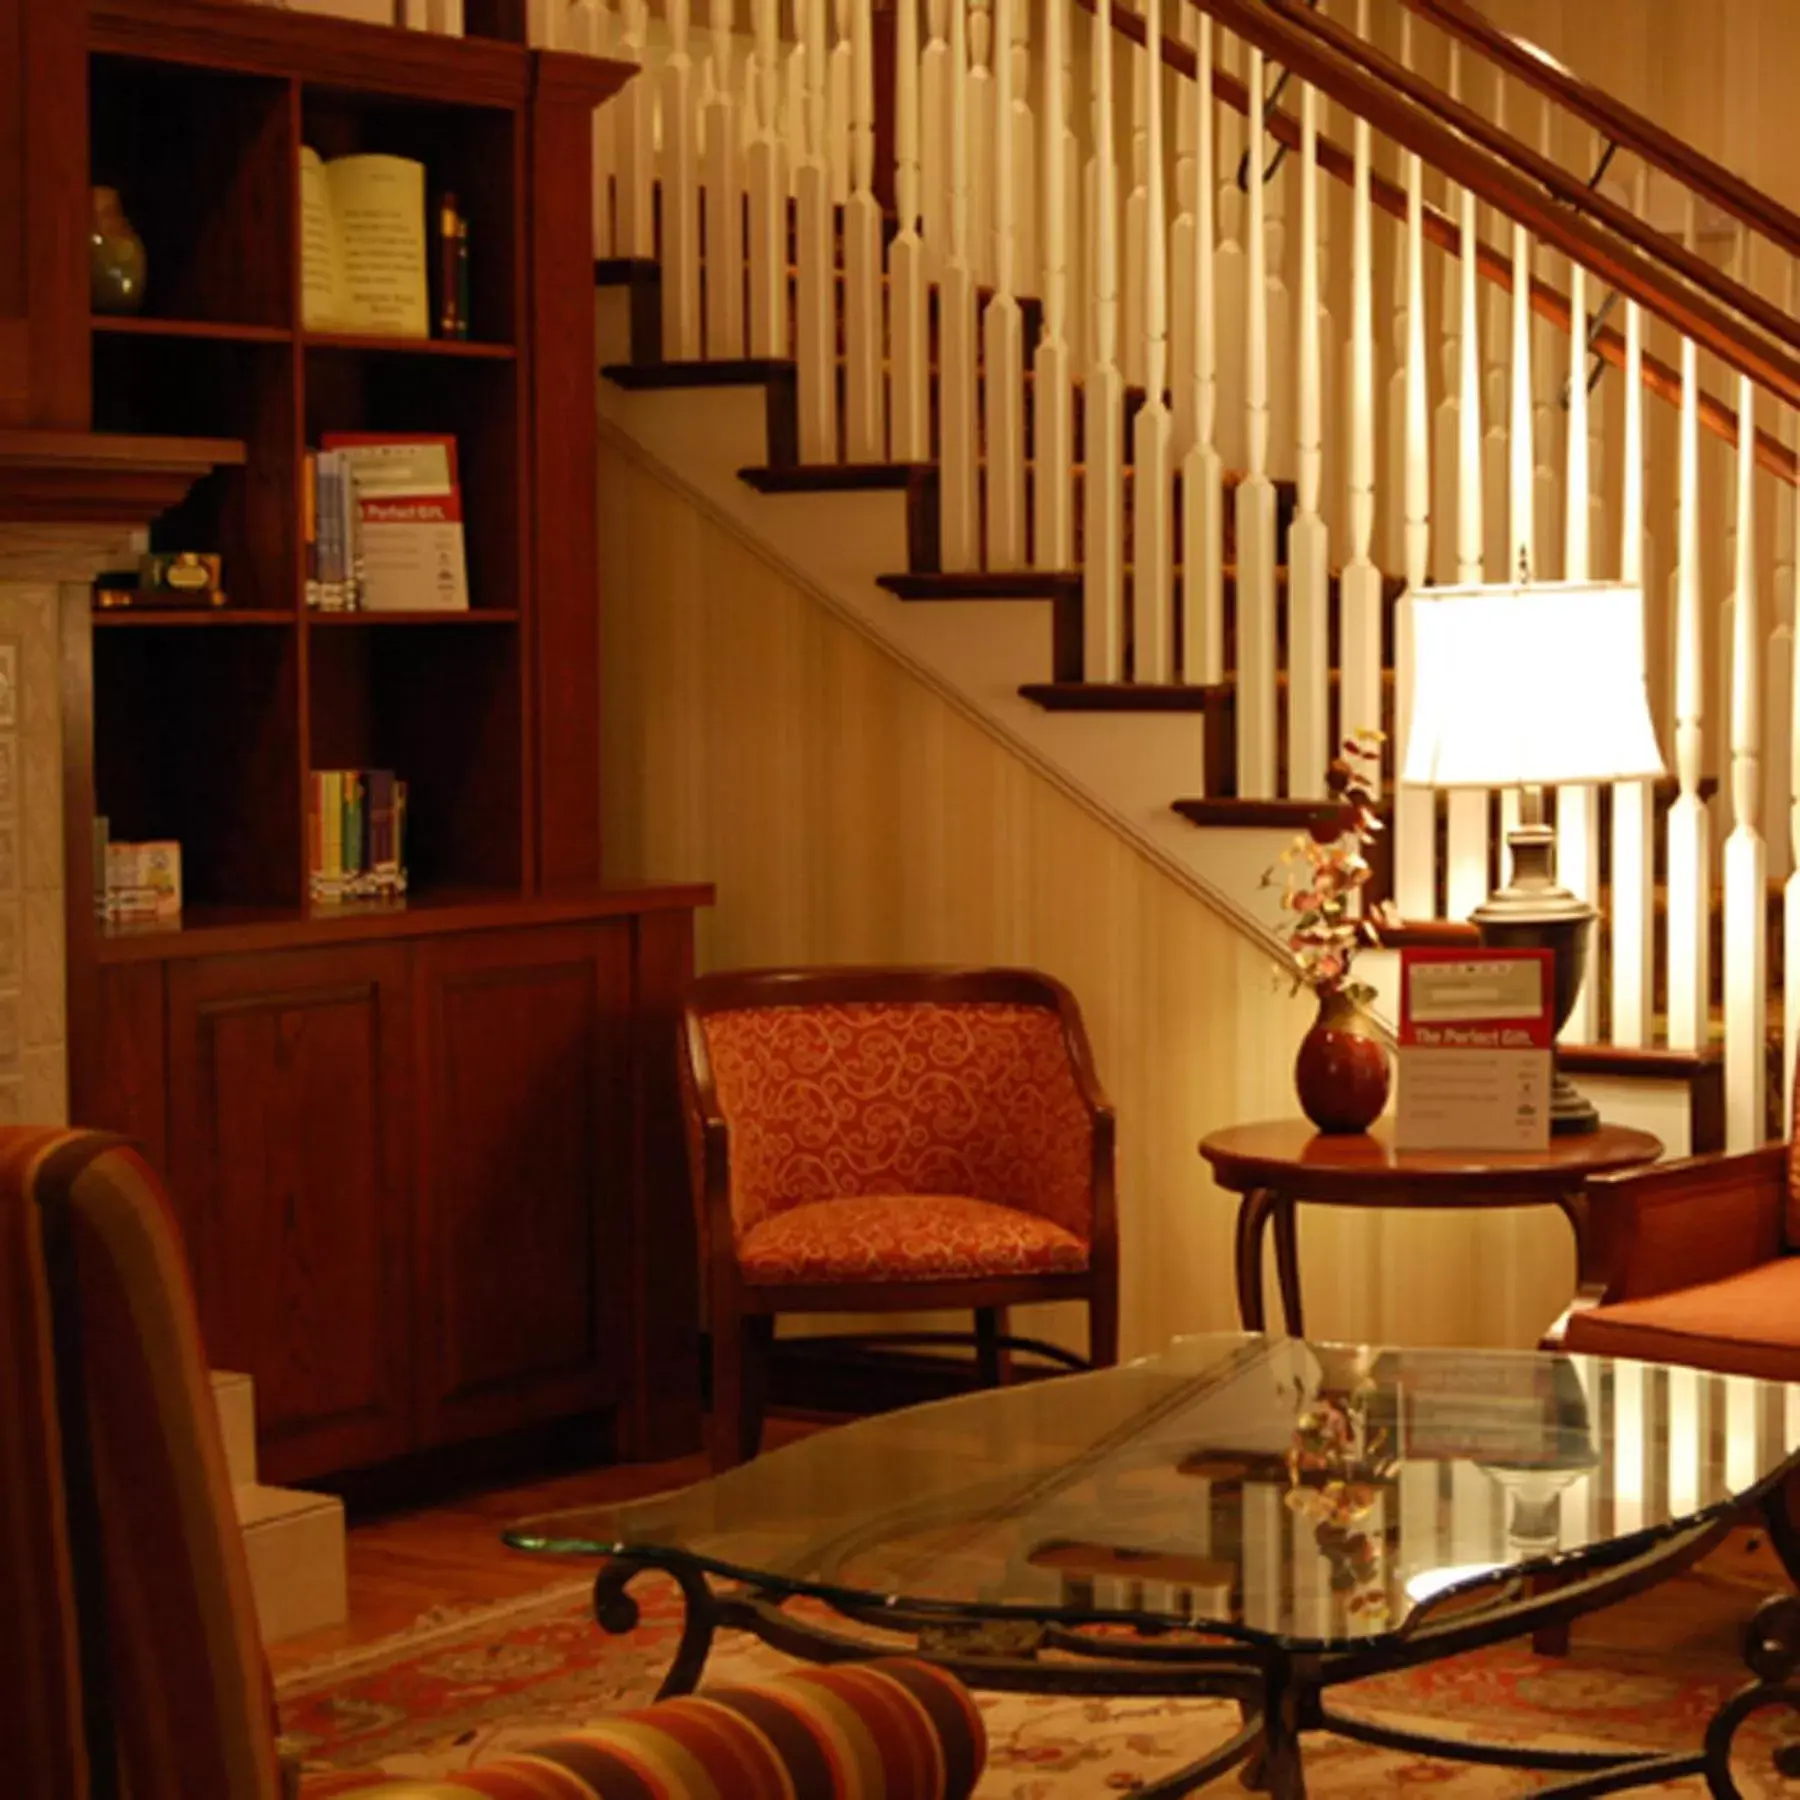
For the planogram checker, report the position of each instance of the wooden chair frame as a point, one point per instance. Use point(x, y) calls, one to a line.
point(742, 1314)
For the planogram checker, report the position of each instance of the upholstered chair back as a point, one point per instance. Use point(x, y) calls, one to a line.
point(176, 1687)
point(42, 1748)
point(830, 1098)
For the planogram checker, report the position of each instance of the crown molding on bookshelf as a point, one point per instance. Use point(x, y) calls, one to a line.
point(94, 477)
point(267, 40)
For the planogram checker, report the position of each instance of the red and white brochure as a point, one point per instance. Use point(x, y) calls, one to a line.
point(1477, 1030)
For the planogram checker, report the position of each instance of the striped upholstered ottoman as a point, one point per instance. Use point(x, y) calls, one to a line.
point(895, 1729)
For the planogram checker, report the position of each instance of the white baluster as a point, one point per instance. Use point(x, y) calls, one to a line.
point(1153, 457)
point(768, 198)
point(934, 137)
point(1360, 599)
point(1309, 542)
point(1690, 841)
point(1191, 112)
point(815, 275)
point(1133, 314)
point(1790, 916)
point(865, 426)
point(1546, 406)
point(1077, 277)
point(1202, 472)
point(839, 80)
point(1103, 399)
point(724, 201)
point(1027, 266)
point(1496, 460)
point(1578, 804)
point(1633, 818)
point(1003, 335)
point(637, 146)
point(593, 31)
point(795, 75)
point(1746, 865)
point(1053, 541)
point(1391, 539)
point(1778, 691)
point(910, 396)
point(1255, 498)
point(1446, 417)
point(1228, 267)
point(978, 85)
point(680, 196)
point(1415, 813)
point(959, 481)
point(1466, 810)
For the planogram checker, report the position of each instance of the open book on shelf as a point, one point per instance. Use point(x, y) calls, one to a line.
point(363, 245)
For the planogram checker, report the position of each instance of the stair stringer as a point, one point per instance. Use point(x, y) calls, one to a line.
point(1124, 768)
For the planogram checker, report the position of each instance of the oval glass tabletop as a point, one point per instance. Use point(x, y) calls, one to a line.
point(1311, 1494)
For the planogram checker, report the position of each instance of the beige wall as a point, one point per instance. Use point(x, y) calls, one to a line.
point(848, 812)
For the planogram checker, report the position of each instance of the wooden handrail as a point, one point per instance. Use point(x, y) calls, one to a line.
point(1659, 377)
point(1414, 126)
point(1631, 129)
point(1570, 189)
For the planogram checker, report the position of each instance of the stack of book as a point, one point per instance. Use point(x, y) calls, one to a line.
point(383, 521)
point(357, 835)
point(136, 883)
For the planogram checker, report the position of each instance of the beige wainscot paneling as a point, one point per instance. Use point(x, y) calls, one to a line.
point(848, 812)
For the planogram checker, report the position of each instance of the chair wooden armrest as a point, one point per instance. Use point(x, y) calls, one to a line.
point(1679, 1224)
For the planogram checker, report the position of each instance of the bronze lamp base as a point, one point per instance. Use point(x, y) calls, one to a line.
point(1535, 912)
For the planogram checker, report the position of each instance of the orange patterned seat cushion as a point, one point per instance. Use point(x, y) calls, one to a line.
point(905, 1237)
point(977, 1100)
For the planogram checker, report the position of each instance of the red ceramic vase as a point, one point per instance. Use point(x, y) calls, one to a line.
point(1341, 1074)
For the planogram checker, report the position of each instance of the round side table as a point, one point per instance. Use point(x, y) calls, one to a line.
point(1280, 1165)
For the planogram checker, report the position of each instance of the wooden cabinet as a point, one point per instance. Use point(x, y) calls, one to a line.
point(525, 1067)
point(289, 1159)
point(430, 1180)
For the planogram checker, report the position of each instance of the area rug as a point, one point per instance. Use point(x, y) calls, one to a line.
point(460, 1688)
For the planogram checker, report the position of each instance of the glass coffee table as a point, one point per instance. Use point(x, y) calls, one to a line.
point(1261, 1520)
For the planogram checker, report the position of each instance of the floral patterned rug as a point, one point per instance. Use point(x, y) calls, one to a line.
point(459, 1688)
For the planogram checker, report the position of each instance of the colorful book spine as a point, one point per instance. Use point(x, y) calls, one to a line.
point(309, 521)
point(356, 835)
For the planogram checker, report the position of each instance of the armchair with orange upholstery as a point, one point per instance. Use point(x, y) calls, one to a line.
point(1703, 1269)
point(135, 1667)
point(892, 1140)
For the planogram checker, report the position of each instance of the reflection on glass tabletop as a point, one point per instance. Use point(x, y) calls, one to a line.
point(1303, 1493)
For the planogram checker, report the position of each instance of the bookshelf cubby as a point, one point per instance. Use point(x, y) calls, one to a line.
point(387, 1124)
point(207, 723)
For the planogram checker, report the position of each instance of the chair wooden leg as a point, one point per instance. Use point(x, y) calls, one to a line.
point(993, 1362)
point(724, 1436)
point(759, 1354)
point(1103, 1326)
point(1780, 1512)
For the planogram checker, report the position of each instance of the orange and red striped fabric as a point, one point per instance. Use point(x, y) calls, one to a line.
point(886, 1730)
point(118, 1538)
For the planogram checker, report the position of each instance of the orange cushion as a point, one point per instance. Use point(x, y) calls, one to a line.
point(905, 1237)
point(1747, 1324)
point(906, 1097)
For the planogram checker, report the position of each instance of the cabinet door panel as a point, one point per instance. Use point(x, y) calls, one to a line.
point(288, 1141)
point(525, 1066)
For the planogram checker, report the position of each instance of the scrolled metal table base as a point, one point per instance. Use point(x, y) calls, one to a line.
point(1280, 1692)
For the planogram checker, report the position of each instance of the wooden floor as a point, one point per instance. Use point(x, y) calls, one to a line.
point(406, 1564)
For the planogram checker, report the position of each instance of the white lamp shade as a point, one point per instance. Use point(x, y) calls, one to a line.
point(1538, 684)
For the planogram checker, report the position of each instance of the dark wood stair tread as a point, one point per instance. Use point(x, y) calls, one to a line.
point(743, 371)
point(837, 478)
point(984, 584)
point(1257, 815)
point(1119, 696)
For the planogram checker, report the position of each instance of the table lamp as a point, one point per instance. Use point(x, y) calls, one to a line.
point(1519, 686)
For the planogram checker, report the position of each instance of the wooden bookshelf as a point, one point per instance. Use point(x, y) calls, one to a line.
point(441, 1132)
